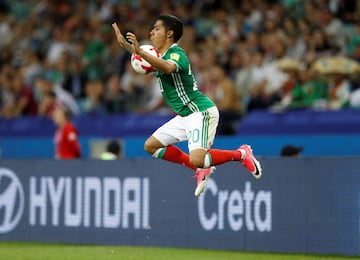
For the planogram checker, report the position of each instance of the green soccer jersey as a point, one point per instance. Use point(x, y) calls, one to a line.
point(180, 89)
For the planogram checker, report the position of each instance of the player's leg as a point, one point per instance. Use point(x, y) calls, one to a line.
point(244, 154)
point(159, 144)
point(214, 157)
point(201, 174)
point(201, 136)
point(201, 129)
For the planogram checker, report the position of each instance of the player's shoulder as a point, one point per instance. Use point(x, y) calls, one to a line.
point(176, 49)
point(176, 53)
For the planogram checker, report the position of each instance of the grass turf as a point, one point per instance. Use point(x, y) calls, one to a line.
point(14, 251)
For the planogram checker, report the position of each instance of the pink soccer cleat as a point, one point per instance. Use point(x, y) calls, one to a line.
point(202, 175)
point(250, 162)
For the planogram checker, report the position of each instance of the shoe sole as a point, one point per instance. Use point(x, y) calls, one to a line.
point(202, 186)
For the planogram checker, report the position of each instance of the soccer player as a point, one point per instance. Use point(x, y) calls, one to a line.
point(196, 117)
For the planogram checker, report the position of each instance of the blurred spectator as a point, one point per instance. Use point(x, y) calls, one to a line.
point(73, 41)
point(134, 85)
point(222, 91)
point(24, 103)
point(292, 68)
point(197, 65)
point(354, 38)
point(356, 53)
point(302, 88)
point(60, 44)
point(94, 49)
point(291, 151)
point(6, 34)
point(345, 10)
point(339, 91)
point(334, 29)
point(59, 68)
point(112, 152)
point(151, 100)
point(355, 99)
point(67, 145)
point(312, 92)
point(48, 104)
point(93, 101)
point(7, 98)
point(318, 42)
point(257, 97)
point(31, 66)
point(104, 9)
point(296, 47)
point(115, 97)
point(75, 79)
point(243, 79)
point(43, 84)
point(266, 83)
point(114, 60)
point(289, 26)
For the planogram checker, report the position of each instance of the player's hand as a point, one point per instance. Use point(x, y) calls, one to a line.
point(133, 41)
point(121, 40)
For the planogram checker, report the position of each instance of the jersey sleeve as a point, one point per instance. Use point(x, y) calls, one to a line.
point(180, 59)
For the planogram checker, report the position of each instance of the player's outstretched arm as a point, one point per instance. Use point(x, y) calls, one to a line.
point(160, 64)
point(121, 40)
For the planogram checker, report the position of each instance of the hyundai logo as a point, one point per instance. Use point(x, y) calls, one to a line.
point(11, 200)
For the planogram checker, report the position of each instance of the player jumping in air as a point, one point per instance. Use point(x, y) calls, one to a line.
point(197, 116)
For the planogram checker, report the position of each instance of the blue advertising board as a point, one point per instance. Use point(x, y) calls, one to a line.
point(304, 205)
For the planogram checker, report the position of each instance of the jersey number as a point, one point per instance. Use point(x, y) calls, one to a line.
point(194, 136)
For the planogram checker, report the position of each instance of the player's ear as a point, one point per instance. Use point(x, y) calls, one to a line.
point(170, 33)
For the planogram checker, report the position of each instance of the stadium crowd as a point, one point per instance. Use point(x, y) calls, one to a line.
point(246, 55)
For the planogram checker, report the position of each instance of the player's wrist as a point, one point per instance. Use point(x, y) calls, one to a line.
point(140, 52)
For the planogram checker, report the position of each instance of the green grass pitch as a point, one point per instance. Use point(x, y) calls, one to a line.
point(14, 251)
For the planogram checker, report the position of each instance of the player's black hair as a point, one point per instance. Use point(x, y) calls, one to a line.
point(172, 23)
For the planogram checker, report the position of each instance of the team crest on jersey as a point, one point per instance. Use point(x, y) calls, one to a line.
point(174, 56)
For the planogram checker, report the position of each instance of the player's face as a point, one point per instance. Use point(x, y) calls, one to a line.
point(158, 35)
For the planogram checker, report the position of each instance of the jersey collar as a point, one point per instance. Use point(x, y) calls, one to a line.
point(174, 44)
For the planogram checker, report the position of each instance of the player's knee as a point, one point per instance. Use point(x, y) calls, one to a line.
point(149, 148)
point(197, 161)
point(151, 145)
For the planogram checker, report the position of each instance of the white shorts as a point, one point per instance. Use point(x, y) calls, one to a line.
point(198, 129)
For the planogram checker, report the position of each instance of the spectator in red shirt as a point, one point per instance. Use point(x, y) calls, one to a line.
point(66, 137)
